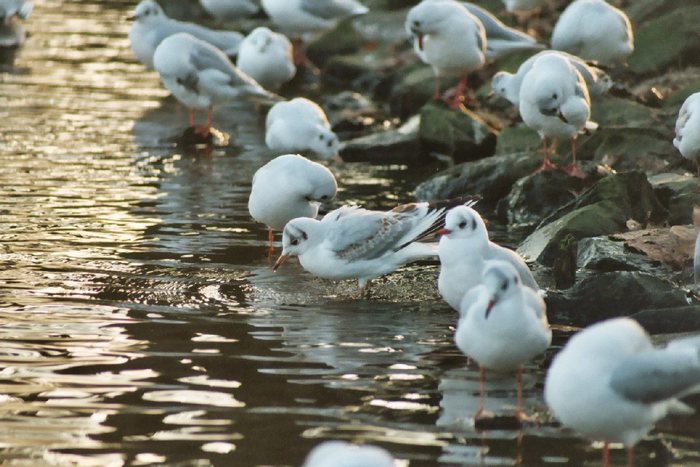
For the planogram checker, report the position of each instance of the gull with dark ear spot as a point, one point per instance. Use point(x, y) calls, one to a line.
point(503, 325)
point(355, 243)
point(301, 125)
point(151, 25)
point(554, 102)
point(465, 250)
point(199, 75)
point(611, 384)
point(288, 187)
point(267, 57)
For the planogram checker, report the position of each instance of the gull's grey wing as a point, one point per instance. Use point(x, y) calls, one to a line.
point(657, 375)
point(505, 254)
point(207, 57)
point(495, 29)
point(330, 9)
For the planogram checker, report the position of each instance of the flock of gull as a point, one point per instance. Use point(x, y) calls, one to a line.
point(609, 383)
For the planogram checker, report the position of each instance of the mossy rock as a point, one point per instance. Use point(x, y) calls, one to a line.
point(610, 111)
point(667, 40)
point(342, 40)
point(517, 139)
point(464, 135)
point(629, 148)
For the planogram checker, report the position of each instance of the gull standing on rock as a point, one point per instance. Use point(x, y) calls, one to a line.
point(554, 101)
point(227, 10)
point(465, 250)
point(288, 187)
point(151, 25)
point(503, 325)
point(450, 39)
point(355, 243)
point(267, 57)
point(343, 454)
point(301, 125)
point(12, 33)
point(610, 384)
point(594, 30)
point(687, 139)
point(507, 85)
point(200, 75)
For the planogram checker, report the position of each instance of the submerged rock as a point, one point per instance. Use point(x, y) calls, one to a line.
point(399, 146)
point(492, 178)
point(463, 135)
point(610, 294)
point(603, 209)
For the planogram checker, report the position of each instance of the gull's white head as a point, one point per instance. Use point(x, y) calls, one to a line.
point(297, 238)
point(463, 222)
point(260, 38)
point(324, 142)
point(428, 17)
point(148, 12)
point(501, 85)
point(501, 280)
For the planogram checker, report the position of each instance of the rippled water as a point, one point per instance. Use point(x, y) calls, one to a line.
point(140, 322)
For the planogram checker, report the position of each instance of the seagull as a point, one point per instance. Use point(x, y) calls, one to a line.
point(267, 57)
point(507, 85)
point(610, 384)
point(594, 30)
point(300, 125)
point(200, 75)
point(437, 26)
point(151, 25)
point(227, 10)
point(342, 454)
point(503, 325)
point(465, 250)
point(288, 187)
point(554, 101)
point(355, 243)
point(12, 33)
point(297, 18)
point(687, 139)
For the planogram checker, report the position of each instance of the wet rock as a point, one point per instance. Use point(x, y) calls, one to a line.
point(342, 40)
point(463, 135)
point(604, 254)
point(492, 178)
point(610, 294)
point(399, 146)
point(602, 210)
point(361, 72)
point(679, 193)
point(540, 194)
point(564, 268)
point(666, 40)
point(351, 111)
point(670, 320)
point(626, 149)
point(610, 111)
point(413, 86)
point(518, 138)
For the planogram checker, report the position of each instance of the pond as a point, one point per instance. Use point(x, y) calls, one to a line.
point(142, 324)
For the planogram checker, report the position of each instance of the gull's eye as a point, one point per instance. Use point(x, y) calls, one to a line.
point(304, 236)
point(324, 197)
point(462, 224)
point(504, 285)
point(320, 137)
point(554, 96)
point(294, 241)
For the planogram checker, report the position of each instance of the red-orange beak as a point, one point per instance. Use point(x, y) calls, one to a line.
point(443, 232)
point(280, 261)
point(492, 302)
point(131, 17)
point(562, 117)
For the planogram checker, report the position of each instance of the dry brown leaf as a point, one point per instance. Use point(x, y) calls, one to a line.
point(673, 246)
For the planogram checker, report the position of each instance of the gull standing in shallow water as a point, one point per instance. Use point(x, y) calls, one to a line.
point(554, 101)
point(437, 27)
point(594, 30)
point(301, 125)
point(199, 75)
point(465, 250)
point(151, 25)
point(507, 85)
point(267, 57)
point(610, 384)
point(342, 454)
point(503, 325)
point(355, 243)
point(687, 139)
point(288, 187)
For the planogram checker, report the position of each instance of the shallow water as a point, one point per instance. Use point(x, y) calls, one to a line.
point(141, 322)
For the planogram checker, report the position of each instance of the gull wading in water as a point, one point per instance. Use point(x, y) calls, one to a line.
point(610, 384)
point(687, 139)
point(301, 125)
point(554, 102)
point(465, 250)
point(507, 85)
point(151, 25)
point(200, 75)
point(343, 454)
point(355, 243)
point(594, 30)
point(438, 25)
point(267, 57)
point(288, 187)
point(503, 325)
